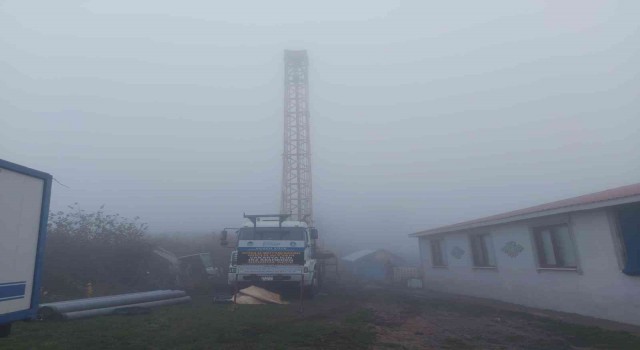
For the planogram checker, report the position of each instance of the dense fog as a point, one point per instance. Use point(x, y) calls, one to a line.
point(423, 113)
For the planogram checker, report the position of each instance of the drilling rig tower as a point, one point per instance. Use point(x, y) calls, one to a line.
point(296, 158)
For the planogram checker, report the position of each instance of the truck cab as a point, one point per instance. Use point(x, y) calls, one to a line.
point(272, 250)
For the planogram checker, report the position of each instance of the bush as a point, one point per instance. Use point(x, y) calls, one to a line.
point(107, 250)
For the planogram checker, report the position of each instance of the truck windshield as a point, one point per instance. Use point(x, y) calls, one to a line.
point(272, 234)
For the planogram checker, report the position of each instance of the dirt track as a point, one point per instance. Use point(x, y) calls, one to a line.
point(427, 320)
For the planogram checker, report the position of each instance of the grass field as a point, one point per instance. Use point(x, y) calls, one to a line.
point(200, 325)
point(360, 319)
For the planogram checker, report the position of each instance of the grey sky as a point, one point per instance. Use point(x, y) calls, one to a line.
point(423, 113)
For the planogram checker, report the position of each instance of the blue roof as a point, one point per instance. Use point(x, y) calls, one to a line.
point(358, 255)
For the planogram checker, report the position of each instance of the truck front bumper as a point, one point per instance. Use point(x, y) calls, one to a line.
point(243, 279)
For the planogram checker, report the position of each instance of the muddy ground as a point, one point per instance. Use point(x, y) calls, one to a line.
point(428, 320)
point(354, 317)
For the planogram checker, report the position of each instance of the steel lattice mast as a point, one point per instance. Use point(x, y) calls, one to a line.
point(296, 158)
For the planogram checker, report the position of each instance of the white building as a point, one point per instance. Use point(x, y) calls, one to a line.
point(579, 255)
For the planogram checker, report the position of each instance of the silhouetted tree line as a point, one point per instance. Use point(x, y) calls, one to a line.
point(108, 251)
point(114, 254)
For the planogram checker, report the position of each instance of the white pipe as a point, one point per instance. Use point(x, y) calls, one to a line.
point(54, 310)
point(110, 310)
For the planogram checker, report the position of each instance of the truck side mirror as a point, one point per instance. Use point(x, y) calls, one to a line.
point(223, 238)
point(314, 233)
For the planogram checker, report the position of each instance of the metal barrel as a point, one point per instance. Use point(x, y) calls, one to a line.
point(55, 310)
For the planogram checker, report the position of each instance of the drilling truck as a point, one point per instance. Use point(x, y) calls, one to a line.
point(272, 251)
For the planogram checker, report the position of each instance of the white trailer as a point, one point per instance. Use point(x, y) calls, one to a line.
point(24, 210)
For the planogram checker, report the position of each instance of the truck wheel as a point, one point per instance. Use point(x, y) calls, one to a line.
point(320, 273)
point(312, 290)
point(5, 330)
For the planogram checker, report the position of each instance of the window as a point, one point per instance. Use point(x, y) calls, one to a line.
point(629, 231)
point(272, 234)
point(482, 250)
point(555, 247)
point(437, 258)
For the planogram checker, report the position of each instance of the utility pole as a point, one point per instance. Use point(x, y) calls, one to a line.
point(296, 158)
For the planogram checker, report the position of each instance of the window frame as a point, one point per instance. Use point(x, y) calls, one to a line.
point(483, 263)
point(440, 243)
point(620, 244)
point(616, 235)
point(540, 252)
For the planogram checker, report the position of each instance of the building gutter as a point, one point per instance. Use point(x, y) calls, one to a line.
point(549, 212)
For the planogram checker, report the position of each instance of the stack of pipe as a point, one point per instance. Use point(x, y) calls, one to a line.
point(91, 307)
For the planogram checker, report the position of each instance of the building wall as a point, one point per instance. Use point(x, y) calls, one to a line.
point(597, 288)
